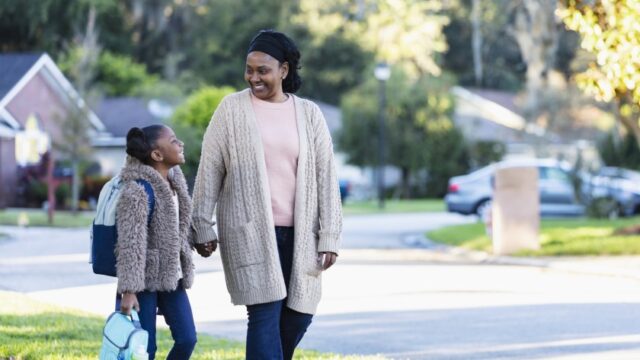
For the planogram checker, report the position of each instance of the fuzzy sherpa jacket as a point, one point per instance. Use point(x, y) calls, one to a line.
point(232, 179)
point(147, 258)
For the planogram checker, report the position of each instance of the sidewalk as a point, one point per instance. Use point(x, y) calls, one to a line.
point(619, 266)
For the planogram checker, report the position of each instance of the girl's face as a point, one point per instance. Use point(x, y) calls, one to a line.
point(264, 75)
point(170, 150)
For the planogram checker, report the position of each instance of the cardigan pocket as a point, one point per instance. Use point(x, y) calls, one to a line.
point(244, 246)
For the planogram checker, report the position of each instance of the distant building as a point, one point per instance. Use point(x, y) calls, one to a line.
point(120, 114)
point(34, 92)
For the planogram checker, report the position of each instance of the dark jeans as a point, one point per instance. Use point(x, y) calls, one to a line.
point(274, 330)
point(175, 307)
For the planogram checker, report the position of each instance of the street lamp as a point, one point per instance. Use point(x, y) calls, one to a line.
point(382, 73)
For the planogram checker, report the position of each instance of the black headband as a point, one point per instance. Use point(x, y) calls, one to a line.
point(268, 45)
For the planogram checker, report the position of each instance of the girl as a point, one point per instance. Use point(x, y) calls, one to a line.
point(154, 265)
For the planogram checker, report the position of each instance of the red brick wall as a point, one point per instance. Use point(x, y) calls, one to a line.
point(39, 98)
point(7, 172)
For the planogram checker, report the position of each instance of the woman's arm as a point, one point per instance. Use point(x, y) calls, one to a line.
point(131, 250)
point(210, 178)
point(330, 207)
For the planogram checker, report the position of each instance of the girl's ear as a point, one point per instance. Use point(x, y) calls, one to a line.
point(156, 155)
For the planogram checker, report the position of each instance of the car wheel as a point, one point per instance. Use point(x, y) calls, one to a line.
point(482, 210)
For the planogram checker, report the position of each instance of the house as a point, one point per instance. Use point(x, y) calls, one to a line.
point(119, 114)
point(494, 115)
point(34, 96)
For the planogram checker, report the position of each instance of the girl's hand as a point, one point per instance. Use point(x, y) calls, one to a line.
point(129, 301)
point(329, 259)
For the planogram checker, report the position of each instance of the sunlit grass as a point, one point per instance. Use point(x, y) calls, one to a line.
point(33, 330)
point(37, 217)
point(393, 206)
point(557, 237)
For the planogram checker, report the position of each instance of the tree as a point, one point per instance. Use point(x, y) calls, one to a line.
point(535, 29)
point(609, 32)
point(190, 120)
point(419, 131)
point(74, 143)
point(404, 33)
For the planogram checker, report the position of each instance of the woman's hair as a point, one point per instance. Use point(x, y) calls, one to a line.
point(291, 55)
point(141, 142)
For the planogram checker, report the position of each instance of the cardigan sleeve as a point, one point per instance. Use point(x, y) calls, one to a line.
point(131, 249)
point(210, 178)
point(330, 206)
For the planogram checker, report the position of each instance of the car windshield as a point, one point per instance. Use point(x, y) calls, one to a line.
point(482, 172)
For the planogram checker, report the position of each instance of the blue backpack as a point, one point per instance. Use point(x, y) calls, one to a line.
point(104, 234)
point(122, 336)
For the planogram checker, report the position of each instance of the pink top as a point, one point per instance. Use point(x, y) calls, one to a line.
point(279, 132)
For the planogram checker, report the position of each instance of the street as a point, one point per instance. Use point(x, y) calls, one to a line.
point(376, 302)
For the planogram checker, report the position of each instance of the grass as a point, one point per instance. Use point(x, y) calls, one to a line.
point(63, 219)
point(566, 237)
point(34, 330)
point(393, 206)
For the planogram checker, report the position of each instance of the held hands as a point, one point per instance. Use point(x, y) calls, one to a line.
point(327, 259)
point(206, 249)
point(129, 301)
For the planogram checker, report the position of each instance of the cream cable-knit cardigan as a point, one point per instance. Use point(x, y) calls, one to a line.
point(232, 178)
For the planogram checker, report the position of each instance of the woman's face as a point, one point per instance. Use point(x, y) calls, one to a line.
point(170, 150)
point(264, 75)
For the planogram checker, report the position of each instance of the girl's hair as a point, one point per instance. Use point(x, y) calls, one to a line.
point(141, 142)
point(292, 82)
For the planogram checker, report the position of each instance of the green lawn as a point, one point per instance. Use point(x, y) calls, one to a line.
point(33, 330)
point(40, 218)
point(393, 206)
point(557, 237)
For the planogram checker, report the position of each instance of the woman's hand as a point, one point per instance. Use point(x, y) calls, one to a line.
point(329, 259)
point(129, 301)
point(206, 249)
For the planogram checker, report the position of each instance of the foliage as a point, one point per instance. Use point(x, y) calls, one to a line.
point(116, 75)
point(609, 31)
point(405, 33)
point(503, 67)
point(419, 133)
point(191, 119)
point(482, 153)
point(623, 152)
point(557, 237)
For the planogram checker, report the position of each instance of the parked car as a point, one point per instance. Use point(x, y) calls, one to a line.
point(472, 193)
point(618, 185)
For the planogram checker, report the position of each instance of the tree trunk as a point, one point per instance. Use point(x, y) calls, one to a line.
point(629, 121)
point(536, 32)
point(406, 187)
point(476, 40)
point(75, 187)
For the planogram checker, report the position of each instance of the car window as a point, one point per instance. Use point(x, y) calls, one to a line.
point(554, 174)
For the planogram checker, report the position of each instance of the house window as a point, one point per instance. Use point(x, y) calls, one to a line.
point(31, 143)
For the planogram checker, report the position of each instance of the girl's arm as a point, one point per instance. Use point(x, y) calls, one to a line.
point(131, 250)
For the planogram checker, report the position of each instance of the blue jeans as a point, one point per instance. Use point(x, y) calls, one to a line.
point(274, 330)
point(176, 309)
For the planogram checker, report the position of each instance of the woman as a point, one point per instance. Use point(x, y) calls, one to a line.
point(154, 265)
point(267, 168)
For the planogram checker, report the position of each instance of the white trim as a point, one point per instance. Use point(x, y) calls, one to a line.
point(46, 61)
point(66, 85)
point(502, 115)
point(6, 132)
point(6, 115)
point(109, 142)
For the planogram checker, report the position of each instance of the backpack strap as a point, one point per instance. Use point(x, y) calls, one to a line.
point(151, 198)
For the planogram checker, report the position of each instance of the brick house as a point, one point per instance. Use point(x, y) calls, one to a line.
point(33, 91)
